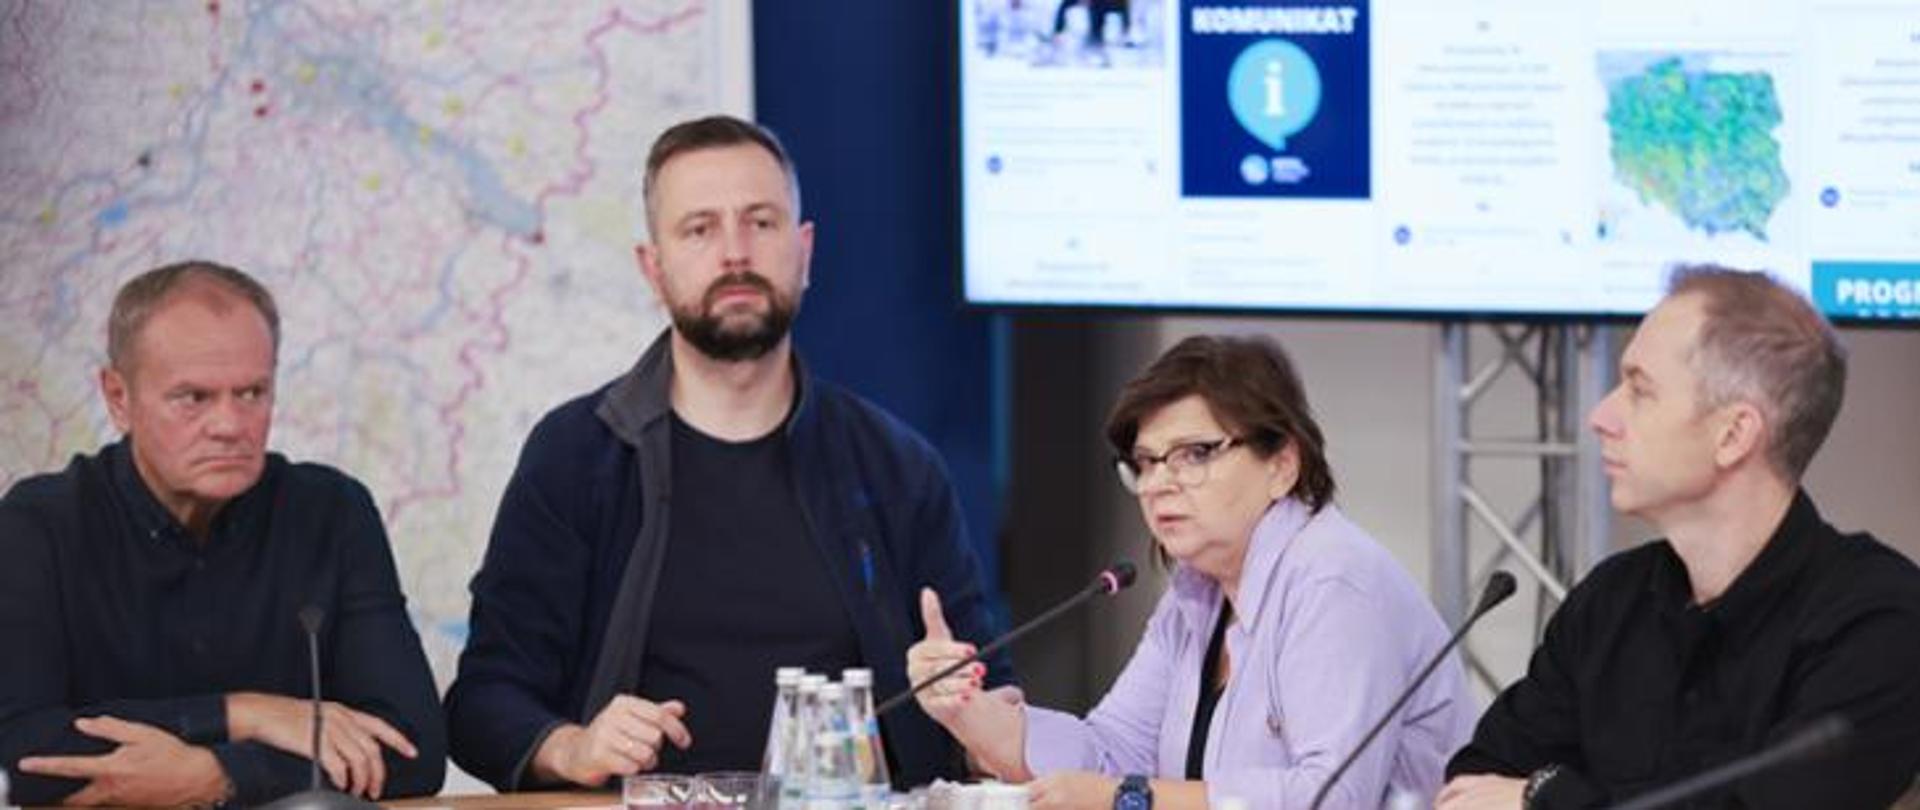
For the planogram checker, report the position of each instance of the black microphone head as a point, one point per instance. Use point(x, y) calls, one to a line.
point(310, 617)
point(1499, 587)
point(1116, 578)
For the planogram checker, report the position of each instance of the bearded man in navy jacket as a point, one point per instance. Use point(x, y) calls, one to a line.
point(669, 539)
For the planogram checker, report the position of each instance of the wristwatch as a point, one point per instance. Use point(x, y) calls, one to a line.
point(1536, 782)
point(1133, 794)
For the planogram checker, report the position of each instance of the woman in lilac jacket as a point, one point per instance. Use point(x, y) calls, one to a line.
point(1285, 633)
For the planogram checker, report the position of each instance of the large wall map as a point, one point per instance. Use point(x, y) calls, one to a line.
point(442, 195)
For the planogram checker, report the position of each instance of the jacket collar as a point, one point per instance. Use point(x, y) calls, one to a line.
point(1271, 539)
point(641, 398)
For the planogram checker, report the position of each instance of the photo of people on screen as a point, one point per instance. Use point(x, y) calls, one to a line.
point(1072, 33)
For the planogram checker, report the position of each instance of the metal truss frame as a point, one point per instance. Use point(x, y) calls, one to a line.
point(1560, 534)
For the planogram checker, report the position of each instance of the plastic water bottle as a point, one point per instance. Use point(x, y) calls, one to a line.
point(786, 693)
point(833, 783)
point(797, 748)
point(869, 755)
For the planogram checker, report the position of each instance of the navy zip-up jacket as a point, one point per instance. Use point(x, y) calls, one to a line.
point(563, 599)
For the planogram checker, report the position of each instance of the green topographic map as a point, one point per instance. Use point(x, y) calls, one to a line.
point(1699, 143)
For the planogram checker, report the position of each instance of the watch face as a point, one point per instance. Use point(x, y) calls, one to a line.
point(1131, 800)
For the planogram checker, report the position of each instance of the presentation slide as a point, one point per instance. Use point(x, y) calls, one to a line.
point(1444, 157)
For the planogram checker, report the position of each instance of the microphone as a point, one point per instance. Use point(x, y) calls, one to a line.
point(310, 618)
point(1824, 735)
point(316, 796)
point(1499, 587)
point(1113, 580)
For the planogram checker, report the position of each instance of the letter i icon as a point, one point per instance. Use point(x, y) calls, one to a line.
point(1276, 106)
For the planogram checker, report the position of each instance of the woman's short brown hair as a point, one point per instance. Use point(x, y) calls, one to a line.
point(1251, 388)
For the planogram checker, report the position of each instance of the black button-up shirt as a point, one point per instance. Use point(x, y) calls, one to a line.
point(1635, 687)
point(108, 607)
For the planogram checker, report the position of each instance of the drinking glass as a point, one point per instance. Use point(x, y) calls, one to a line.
point(733, 789)
point(650, 790)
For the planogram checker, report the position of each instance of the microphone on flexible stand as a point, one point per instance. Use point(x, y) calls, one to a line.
point(1113, 580)
point(310, 618)
point(1499, 587)
point(1824, 735)
point(316, 796)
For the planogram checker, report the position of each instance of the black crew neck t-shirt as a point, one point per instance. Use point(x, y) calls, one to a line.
point(743, 590)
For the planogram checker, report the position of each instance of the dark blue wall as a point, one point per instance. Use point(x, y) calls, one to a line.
point(862, 92)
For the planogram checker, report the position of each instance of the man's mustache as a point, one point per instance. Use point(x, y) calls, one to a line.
point(743, 278)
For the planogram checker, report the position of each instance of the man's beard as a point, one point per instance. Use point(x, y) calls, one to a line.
point(710, 333)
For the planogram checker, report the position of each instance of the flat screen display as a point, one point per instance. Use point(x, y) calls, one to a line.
point(1437, 157)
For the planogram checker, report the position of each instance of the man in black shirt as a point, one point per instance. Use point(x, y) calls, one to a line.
point(149, 594)
point(669, 539)
point(1751, 621)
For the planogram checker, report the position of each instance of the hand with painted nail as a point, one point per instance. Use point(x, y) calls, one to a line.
point(991, 725)
point(943, 700)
